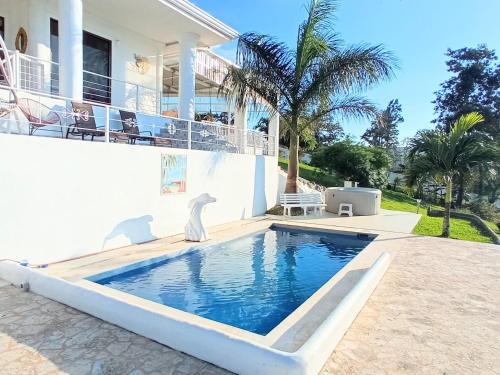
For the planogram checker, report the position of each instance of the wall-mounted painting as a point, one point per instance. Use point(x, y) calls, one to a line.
point(173, 173)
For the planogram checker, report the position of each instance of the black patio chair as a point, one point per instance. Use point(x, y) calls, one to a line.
point(131, 129)
point(85, 124)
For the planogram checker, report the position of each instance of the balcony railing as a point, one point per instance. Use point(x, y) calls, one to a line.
point(38, 75)
point(211, 66)
point(37, 113)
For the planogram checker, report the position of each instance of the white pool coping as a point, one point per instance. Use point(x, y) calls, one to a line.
point(233, 349)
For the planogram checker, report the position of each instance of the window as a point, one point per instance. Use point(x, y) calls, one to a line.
point(2, 33)
point(54, 49)
point(97, 60)
point(2, 27)
point(96, 64)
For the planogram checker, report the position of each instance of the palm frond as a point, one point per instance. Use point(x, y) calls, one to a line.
point(265, 71)
point(315, 38)
point(456, 152)
point(465, 123)
point(242, 86)
point(319, 79)
point(419, 167)
point(348, 71)
point(347, 107)
point(462, 126)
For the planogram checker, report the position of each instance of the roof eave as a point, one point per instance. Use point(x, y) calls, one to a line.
point(203, 18)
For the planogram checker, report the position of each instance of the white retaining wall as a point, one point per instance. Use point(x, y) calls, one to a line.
point(61, 199)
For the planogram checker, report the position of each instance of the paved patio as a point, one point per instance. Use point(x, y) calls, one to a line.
point(386, 220)
point(436, 311)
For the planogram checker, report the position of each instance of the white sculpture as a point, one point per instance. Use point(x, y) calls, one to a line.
point(194, 230)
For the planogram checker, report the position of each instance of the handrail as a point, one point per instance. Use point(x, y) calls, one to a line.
point(38, 59)
point(215, 56)
point(222, 62)
point(42, 80)
point(211, 66)
point(236, 139)
point(41, 75)
point(67, 98)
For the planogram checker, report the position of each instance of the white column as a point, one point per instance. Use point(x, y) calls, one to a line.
point(159, 81)
point(38, 29)
point(187, 75)
point(39, 45)
point(71, 49)
point(274, 131)
point(241, 123)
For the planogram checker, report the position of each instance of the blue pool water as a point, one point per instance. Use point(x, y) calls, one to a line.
point(252, 282)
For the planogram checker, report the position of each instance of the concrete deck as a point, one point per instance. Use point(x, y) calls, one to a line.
point(386, 221)
point(437, 310)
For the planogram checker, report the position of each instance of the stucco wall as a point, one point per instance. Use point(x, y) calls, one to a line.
point(66, 198)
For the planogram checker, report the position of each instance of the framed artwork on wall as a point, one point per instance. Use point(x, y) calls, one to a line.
point(173, 173)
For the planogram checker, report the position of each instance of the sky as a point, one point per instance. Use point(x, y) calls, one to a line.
point(418, 32)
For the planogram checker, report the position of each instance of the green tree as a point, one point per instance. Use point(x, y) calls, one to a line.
point(443, 155)
point(473, 87)
point(322, 132)
point(383, 131)
point(328, 132)
point(492, 183)
point(355, 162)
point(308, 140)
point(319, 78)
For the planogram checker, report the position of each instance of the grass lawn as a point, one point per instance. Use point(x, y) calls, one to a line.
point(431, 226)
point(493, 226)
point(312, 174)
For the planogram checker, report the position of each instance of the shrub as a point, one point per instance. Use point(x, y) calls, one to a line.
point(409, 191)
point(367, 165)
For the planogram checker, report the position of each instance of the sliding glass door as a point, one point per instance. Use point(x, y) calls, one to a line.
point(96, 68)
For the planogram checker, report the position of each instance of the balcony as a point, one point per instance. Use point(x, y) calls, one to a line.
point(38, 75)
point(36, 81)
point(40, 114)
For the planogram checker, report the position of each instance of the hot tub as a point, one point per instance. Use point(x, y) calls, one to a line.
point(365, 201)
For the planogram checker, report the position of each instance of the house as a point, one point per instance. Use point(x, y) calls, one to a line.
point(112, 52)
point(152, 61)
point(155, 59)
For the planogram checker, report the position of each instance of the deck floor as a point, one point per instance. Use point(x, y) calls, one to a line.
point(436, 311)
point(386, 220)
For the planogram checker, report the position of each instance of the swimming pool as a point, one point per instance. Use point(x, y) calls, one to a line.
point(253, 282)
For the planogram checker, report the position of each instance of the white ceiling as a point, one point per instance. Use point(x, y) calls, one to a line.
point(163, 20)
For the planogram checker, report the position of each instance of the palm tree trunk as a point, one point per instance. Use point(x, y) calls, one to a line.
point(447, 207)
point(461, 189)
point(293, 165)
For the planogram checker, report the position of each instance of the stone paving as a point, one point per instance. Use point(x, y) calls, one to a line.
point(39, 336)
point(437, 311)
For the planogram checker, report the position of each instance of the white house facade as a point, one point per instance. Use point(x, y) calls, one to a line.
point(99, 91)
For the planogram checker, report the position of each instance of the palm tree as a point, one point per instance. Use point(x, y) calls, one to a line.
point(319, 78)
point(445, 155)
